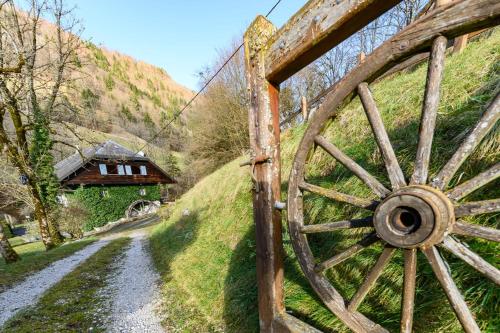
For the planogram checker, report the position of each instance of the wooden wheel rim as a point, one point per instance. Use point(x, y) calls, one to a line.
point(383, 58)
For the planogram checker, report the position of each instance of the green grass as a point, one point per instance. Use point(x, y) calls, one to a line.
point(72, 304)
point(16, 241)
point(207, 259)
point(34, 258)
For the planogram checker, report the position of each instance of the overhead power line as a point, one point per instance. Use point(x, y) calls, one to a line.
point(207, 83)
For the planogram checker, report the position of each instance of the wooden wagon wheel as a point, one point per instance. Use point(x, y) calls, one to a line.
point(415, 214)
point(138, 208)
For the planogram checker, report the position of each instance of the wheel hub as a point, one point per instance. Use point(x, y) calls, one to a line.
point(414, 216)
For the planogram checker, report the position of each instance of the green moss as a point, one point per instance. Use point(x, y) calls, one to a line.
point(109, 203)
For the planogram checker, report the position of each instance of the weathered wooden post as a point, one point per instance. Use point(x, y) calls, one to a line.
point(361, 57)
point(460, 43)
point(263, 119)
point(303, 107)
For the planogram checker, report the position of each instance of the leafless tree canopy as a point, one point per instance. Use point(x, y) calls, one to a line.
point(219, 121)
point(36, 60)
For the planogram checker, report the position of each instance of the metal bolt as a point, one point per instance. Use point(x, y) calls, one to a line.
point(280, 205)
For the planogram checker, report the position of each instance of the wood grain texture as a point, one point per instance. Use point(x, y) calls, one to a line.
point(316, 28)
point(371, 278)
point(394, 171)
point(474, 230)
point(263, 115)
point(354, 167)
point(477, 207)
point(348, 253)
point(429, 110)
point(332, 226)
point(408, 299)
point(475, 183)
point(473, 259)
point(484, 125)
point(90, 175)
point(340, 197)
point(456, 300)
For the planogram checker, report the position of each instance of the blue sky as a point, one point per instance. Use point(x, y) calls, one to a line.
point(180, 36)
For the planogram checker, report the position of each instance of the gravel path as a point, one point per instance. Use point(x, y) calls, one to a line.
point(135, 291)
point(28, 291)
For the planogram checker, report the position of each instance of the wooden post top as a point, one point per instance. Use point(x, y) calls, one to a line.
point(257, 36)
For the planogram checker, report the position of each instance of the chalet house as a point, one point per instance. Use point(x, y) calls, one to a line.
point(109, 164)
point(109, 180)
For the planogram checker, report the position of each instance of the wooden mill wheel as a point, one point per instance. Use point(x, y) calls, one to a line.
point(139, 208)
point(415, 213)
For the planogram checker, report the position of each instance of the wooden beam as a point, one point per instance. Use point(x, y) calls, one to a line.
point(319, 26)
point(263, 118)
point(303, 107)
point(460, 44)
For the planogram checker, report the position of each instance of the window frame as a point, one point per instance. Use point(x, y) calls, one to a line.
point(121, 169)
point(103, 167)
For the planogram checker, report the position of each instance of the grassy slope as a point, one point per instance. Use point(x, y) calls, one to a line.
point(207, 258)
point(74, 304)
point(34, 258)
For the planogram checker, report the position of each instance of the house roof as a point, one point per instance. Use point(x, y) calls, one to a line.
point(106, 150)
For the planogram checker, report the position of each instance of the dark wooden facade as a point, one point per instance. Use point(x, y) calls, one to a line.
point(90, 174)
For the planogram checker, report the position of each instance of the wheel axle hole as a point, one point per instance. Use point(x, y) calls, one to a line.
point(406, 220)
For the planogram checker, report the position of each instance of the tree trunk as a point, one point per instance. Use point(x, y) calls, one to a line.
point(56, 236)
point(6, 250)
point(41, 217)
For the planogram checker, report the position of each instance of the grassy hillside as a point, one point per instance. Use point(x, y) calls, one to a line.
point(124, 91)
point(207, 259)
point(114, 93)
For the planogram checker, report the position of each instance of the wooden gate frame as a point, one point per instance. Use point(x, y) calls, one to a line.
point(272, 56)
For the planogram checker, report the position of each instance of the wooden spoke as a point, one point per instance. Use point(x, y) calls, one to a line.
point(485, 124)
point(350, 252)
point(410, 275)
point(371, 279)
point(467, 255)
point(391, 163)
point(355, 168)
point(328, 227)
point(454, 297)
point(473, 184)
point(477, 207)
point(341, 197)
point(429, 110)
point(473, 230)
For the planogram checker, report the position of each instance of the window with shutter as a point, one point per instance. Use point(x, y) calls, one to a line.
point(128, 169)
point(144, 171)
point(121, 169)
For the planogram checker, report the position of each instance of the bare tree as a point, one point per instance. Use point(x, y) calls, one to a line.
point(219, 120)
point(35, 64)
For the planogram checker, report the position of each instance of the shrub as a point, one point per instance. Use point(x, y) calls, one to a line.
point(109, 82)
point(6, 229)
point(125, 111)
point(90, 100)
point(148, 121)
point(71, 219)
point(108, 203)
